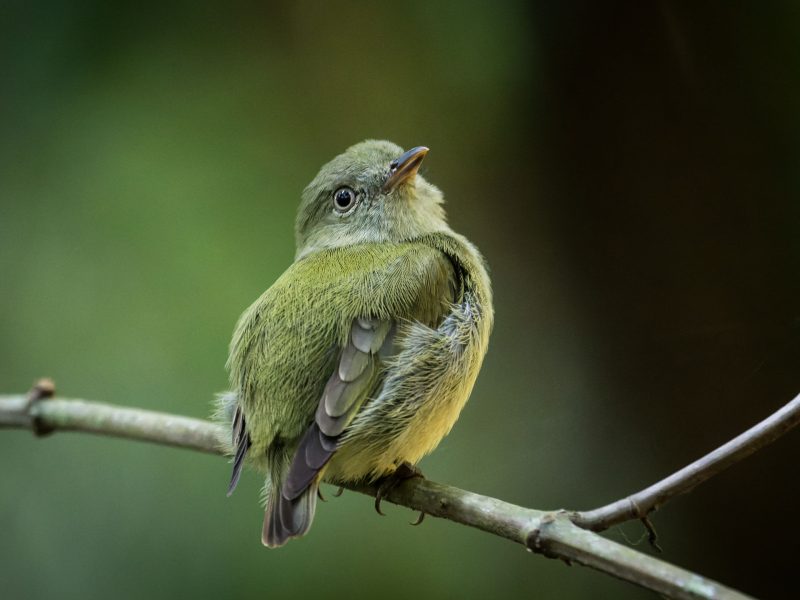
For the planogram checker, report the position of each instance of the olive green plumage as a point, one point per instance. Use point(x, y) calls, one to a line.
point(362, 354)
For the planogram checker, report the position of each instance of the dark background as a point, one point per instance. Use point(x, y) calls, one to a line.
point(629, 169)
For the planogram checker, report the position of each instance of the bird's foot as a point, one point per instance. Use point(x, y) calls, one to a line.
point(403, 472)
point(336, 494)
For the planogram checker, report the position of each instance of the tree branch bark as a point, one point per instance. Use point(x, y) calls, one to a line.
point(568, 536)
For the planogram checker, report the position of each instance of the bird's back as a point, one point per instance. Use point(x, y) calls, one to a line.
point(286, 343)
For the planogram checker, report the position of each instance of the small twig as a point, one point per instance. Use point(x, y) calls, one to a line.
point(652, 536)
point(42, 389)
point(641, 504)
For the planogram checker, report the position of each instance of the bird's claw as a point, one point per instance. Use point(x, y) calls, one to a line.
point(420, 519)
point(378, 497)
point(403, 472)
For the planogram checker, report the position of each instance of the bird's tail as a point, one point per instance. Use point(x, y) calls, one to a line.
point(286, 519)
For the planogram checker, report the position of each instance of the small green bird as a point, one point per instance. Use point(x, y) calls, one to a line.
point(360, 357)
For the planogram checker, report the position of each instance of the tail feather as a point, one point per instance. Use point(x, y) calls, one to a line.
point(286, 519)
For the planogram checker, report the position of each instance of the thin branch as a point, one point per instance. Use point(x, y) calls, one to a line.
point(43, 415)
point(553, 534)
point(640, 504)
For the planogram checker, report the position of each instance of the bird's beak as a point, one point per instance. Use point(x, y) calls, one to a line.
point(404, 167)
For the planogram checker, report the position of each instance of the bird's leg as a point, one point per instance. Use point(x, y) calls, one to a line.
point(338, 492)
point(404, 471)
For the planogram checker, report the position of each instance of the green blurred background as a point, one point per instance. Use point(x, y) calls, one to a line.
point(629, 169)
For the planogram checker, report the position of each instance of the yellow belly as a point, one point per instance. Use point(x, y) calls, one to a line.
point(411, 439)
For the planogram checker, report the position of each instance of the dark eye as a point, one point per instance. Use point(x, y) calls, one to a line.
point(343, 199)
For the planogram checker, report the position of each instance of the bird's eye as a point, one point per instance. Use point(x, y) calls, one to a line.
point(344, 199)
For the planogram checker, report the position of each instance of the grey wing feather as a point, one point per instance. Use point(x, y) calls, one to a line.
point(368, 335)
point(309, 458)
point(328, 442)
point(316, 452)
point(340, 396)
point(353, 363)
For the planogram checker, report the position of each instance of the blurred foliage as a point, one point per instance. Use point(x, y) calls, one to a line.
point(628, 169)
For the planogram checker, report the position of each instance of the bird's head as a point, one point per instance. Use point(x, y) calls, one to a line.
point(370, 193)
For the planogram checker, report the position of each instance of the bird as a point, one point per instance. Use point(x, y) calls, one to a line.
point(358, 360)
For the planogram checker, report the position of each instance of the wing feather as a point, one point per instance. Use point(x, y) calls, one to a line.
point(345, 392)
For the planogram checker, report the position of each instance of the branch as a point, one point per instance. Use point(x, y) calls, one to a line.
point(555, 534)
point(639, 505)
point(30, 412)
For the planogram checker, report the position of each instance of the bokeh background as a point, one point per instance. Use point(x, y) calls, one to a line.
point(629, 169)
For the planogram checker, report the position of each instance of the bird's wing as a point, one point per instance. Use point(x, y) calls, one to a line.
point(349, 385)
point(288, 342)
point(420, 286)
